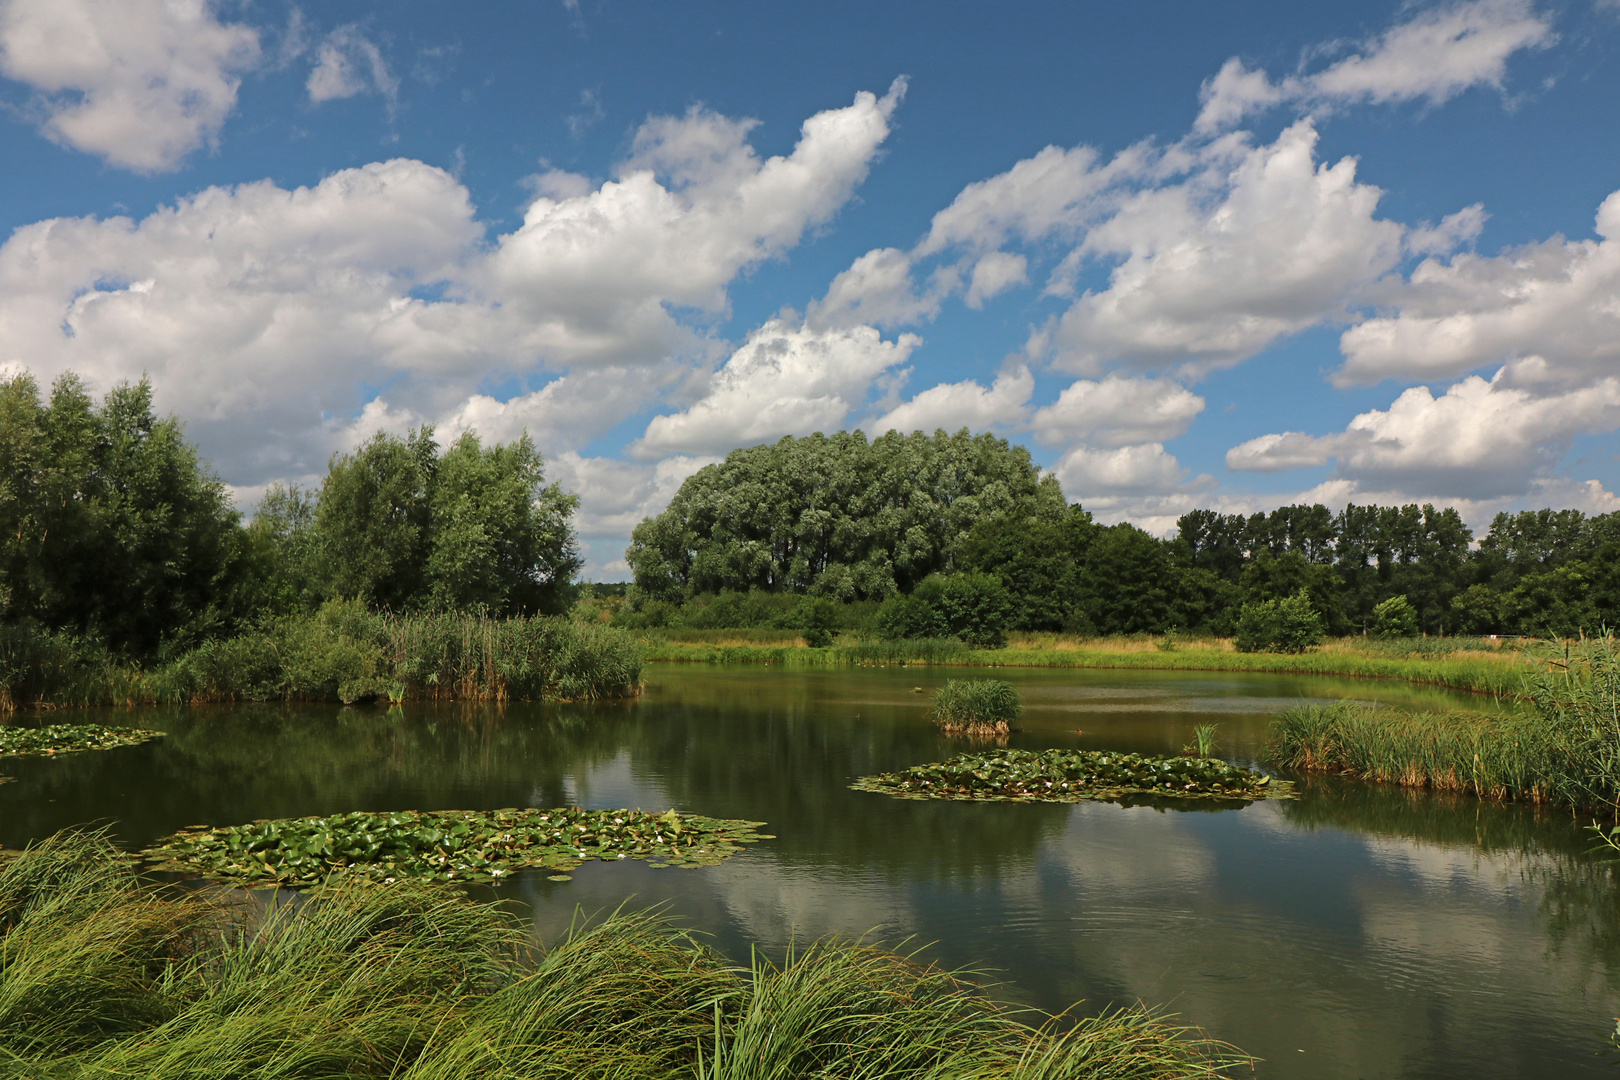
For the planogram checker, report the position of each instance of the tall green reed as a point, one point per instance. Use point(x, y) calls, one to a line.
point(1565, 752)
point(342, 652)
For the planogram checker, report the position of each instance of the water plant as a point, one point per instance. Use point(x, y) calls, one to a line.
point(1203, 744)
point(55, 739)
point(976, 706)
point(1073, 776)
point(106, 975)
point(1566, 751)
point(447, 845)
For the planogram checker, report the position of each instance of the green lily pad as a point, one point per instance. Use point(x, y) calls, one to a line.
point(68, 738)
point(446, 845)
point(1074, 776)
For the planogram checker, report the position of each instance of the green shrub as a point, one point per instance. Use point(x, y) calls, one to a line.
point(1395, 618)
point(1289, 625)
point(972, 607)
point(977, 706)
point(817, 617)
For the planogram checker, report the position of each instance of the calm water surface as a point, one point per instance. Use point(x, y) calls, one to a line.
point(1356, 932)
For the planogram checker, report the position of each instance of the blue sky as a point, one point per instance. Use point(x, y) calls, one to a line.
point(1228, 255)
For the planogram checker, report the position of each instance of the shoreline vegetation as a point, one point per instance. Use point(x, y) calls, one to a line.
point(341, 652)
point(1468, 664)
point(1565, 751)
point(106, 974)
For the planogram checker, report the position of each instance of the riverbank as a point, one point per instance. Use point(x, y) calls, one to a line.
point(106, 975)
point(1481, 669)
point(343, 652)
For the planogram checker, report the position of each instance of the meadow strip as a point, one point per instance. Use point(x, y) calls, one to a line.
point(1502, 678)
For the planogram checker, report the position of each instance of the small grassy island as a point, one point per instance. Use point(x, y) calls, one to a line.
point(106, 975)
point(976, 707)
point(447, 845)
point(1074, 776)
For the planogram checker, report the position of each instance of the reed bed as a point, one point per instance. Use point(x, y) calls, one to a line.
point(104, 975)
point(1565, 752)
point(344, 653)
point(1493, 757)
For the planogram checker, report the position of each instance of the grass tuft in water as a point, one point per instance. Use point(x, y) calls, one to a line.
point(977, 706)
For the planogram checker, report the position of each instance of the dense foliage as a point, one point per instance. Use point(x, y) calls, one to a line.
point(110, 526)
point(834, 515)
point(400, 525)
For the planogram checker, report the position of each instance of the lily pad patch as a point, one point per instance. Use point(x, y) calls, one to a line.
point(1074, 776)
point(56, 739)
point(447, 845)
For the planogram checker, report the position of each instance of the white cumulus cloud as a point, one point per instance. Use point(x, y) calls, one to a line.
point(1432, 56)
point(784, 380)
point(1211, 277)
point(593, 277)
point(1549, 309)
point(261, 312)
point(1118, 411)
point(140, 83)
point(969, 404)
point(1479, 440)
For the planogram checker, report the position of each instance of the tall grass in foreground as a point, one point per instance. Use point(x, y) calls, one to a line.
point(101, 975)
point(1566, 752)
point(343, 652)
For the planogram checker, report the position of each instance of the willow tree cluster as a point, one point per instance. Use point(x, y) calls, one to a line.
point(837, 515)
point(115, 533)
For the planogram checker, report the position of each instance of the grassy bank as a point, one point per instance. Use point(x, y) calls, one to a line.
point(1566, 751)
point(104, 976)
point(1475, 667)
point(341, 653)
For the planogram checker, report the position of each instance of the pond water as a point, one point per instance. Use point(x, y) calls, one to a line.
point(1360, 931)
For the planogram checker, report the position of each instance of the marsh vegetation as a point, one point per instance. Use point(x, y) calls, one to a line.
point(1565, 750)
point(105, 975)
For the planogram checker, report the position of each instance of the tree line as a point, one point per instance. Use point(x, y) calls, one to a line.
point(113, 530)
point(851, 520)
